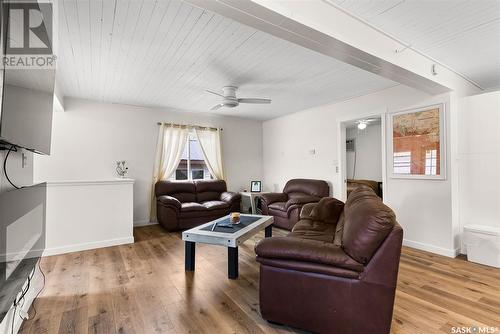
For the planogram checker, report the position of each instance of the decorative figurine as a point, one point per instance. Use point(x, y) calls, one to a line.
point(121, 168)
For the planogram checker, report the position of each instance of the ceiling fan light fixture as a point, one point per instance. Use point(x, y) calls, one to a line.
point(229, 99)
point(362, 125)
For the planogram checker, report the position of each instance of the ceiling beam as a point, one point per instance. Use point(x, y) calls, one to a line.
point(323, 27)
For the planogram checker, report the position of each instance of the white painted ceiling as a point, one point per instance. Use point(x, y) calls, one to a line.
point(166, 53)
point(464, 35)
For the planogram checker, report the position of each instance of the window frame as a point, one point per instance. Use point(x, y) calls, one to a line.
point(189, 172)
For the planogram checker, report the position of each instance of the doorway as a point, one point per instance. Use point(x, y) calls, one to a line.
point(362, 158)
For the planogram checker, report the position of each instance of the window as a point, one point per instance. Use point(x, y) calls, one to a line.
point(402, 162)
point(431, 162)
point(192, 165)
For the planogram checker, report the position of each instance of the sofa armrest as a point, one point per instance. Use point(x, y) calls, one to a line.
point(169, 201)
point(306, 250)
point(230, 197)
point(270, 198)
point(305, 213)
point(298, 201)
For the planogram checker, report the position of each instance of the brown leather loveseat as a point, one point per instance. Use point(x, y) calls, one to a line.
point(285, 207)
point(182, 205)
point(336, 272)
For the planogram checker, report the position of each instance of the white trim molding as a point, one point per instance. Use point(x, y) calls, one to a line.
point(87, 246)
point(89, 182)
point(431, 248)
point(145, 222)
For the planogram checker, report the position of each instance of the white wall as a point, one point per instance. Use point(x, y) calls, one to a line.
point(366, 162)
point(88, 214)
point(479, 159)
point(88, 138)
point(423, 207)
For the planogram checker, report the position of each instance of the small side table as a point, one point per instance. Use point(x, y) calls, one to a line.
point(252, 197)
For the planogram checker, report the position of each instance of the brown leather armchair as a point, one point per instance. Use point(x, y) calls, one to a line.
point(336, 272)
point(286, 206)
point(182, 205)
point(353, 184)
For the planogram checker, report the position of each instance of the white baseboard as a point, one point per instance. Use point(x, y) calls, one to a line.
point(431, 248)
point(139, 223)
point(87, 246)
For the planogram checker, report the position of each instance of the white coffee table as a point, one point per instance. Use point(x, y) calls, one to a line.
point(223, 236)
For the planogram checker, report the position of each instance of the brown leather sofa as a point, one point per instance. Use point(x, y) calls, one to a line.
point(336, 272)
point(286, 206)
point(182, 205)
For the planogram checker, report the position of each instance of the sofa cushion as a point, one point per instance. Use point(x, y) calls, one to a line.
point(203, 216)
point(298, 249)
point(182, 191)
point(214, 205)
point(192, 206)
point(367, 222)
point(328, 210)
point(209, 190)
point(313, 230)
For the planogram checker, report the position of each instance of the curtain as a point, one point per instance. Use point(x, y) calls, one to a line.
point(210, 142)
point(171, 143)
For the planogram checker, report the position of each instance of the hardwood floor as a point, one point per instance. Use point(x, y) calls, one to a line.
point(142, 288)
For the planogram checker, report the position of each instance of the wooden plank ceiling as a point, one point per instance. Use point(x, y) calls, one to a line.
point(166, 53)
point(462, 34)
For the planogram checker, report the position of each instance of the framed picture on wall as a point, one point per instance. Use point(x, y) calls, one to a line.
point(417, 143)
point(255, 186)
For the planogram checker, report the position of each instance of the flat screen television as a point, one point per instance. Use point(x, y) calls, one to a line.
point(22, 239)
point(26, 112)
point(27, 97)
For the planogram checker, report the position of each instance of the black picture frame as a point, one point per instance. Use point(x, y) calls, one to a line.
point(255, 186)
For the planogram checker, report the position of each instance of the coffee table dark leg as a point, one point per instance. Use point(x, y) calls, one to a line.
point(189, 255)
point(232, 262)
point(269, 231)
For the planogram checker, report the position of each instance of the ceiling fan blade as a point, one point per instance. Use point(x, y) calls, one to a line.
point(218, 106)
point(252, 100)
point(212, 92)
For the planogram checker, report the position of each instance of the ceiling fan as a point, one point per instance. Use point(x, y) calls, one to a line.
point(363, 123)
point(229, 99)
